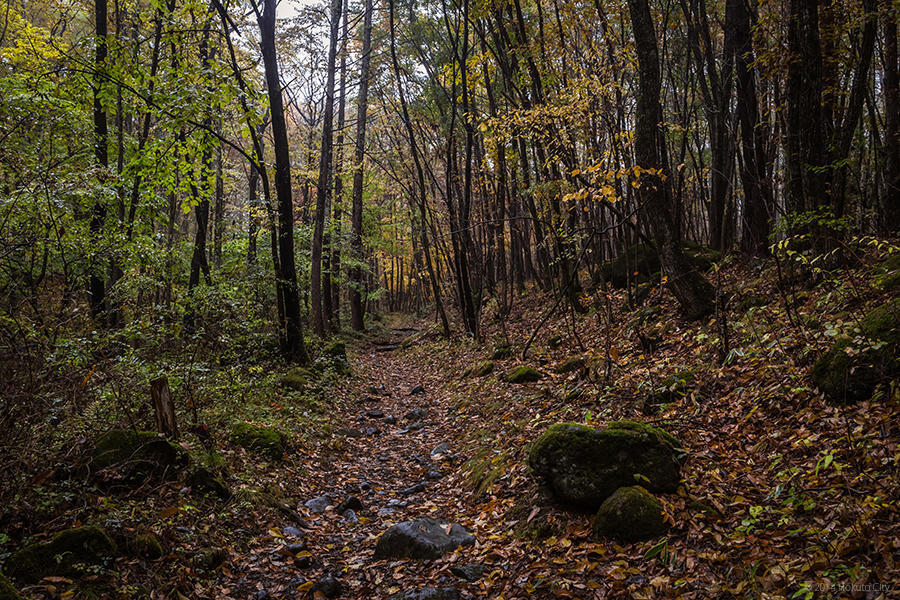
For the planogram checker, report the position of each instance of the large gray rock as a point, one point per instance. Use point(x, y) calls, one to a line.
point(424, 538)
point(583, 466)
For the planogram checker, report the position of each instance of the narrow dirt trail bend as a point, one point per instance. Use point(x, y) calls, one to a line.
point(396, 460)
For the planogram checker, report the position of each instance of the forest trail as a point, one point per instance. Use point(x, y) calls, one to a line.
point(396, 460)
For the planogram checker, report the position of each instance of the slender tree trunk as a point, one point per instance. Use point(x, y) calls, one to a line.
point(219, 213)
point(890, 209)
point(693, 292)
point(333, 245)
point(101, 155)
point(324, 184)
point(362, 104)
point(758, 208)
point(294, 347)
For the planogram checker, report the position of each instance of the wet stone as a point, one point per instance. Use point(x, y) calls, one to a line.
point(350, 503)
point(414, 489)
point(318, 504)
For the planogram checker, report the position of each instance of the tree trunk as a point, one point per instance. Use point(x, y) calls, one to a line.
point(333, 245)
point(357, 317)
point(890, 210)
point(324, 184)
point(101, 156)
point(758, 206)
point(693, 292)
point(293, 346)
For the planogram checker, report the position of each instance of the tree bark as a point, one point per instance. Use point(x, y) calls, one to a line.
point(694, 294)
point(324, 184)
point(357, 317)
point(890, 209)
point(293, 346)
point(101, 154)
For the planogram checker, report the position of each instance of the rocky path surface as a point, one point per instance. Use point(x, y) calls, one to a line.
point(395, 469)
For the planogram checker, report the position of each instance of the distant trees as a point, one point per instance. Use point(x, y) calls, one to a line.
point(482, 149)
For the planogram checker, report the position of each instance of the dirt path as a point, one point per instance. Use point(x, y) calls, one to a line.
point(395, 459)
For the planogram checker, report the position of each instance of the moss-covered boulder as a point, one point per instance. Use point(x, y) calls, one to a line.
point(7, 591)
point(267, 440)
point(137, 455)
point(583, 466)
point(61, 555)
point(640, 263)
point(631, 514)
point(482, 369)
point(336, 349)
point(205, 482)
point(502, 353)
point(146, 545)
point(211, 558)
point(336, 354)
point(888, 273)
point(523, 374)
point(573, 364)
point(295, 379)
point(854, 366)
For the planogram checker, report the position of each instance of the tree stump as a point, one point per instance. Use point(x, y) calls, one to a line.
point(163, 407)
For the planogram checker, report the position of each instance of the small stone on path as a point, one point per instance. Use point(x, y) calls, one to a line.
point(351, 503)
point(416, 414)
point(441, 448)
point(318, 504)
point(414, 489)
point(292, 532)
point(470, 572)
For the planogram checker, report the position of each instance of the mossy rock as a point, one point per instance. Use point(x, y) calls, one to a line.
point(643, 259)
point(583, 466)
point(336, 354)
point(502, 353)
point(642, 290)
point(211, 558)
point(7, 591)
point(853, 367)
point(482, 369)
point(59, 556)
point(523, 374)
point(630, 514)
point(146, 545)
point(336, 349)
point(295, 379)
point(573, 364)
point(256, 437)
point(204, 482)
point(888, 272)
point(138, 454)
